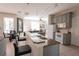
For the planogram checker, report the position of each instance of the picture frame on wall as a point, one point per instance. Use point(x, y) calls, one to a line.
point(19, 25)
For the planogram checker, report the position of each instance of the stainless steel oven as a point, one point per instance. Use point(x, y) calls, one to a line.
point(59, 37)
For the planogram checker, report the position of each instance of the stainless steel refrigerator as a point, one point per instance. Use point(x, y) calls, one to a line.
point(50, 31)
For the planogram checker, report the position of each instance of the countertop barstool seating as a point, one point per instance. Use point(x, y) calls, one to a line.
point(6, 35)
point(21, 50)
point(12, 35)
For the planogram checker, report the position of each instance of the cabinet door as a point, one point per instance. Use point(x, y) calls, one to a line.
point(69, 20)
point(51, 19)
point(54, 20)
point(58, 19)
point(64, 18)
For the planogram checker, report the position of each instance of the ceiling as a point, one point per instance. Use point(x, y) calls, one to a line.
point(34, 9)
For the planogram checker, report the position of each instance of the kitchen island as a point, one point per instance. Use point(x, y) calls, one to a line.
point(42, 47)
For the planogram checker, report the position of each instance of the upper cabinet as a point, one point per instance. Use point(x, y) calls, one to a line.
point(69, 20)
point(62, 21)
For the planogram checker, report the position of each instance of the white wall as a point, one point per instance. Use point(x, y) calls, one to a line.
point(75, 28)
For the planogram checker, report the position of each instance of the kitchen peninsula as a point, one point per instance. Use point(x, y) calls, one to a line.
point(42, 46)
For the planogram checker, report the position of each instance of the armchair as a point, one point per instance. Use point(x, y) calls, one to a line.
point(22, 36)
point(22, 49)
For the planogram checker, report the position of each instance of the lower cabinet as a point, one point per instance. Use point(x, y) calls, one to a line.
point(3, 47)
point(63, 38)
point(52, 50)
point(67, 40)
point(2, 52)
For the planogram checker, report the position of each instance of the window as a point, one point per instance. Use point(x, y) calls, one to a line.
point(8, 24)
point(35, 25)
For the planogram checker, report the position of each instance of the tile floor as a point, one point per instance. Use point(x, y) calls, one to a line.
point(69, 50)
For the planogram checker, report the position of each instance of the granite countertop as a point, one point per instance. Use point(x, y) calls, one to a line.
point(51, 42)
point(47, 42)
